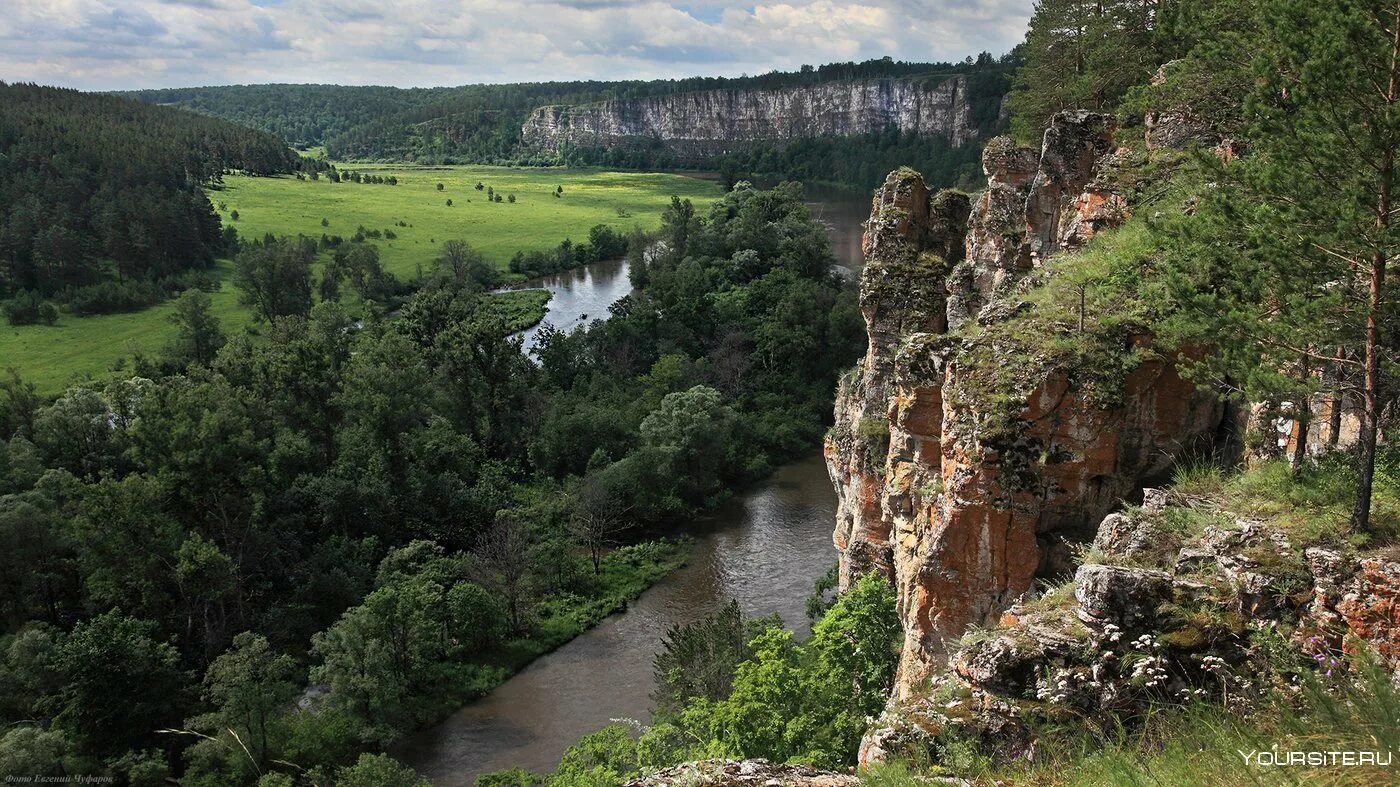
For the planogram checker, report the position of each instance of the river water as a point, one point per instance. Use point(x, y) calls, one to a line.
point(765, 549)
point(584, 294)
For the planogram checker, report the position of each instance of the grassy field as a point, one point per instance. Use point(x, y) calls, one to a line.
point(536, 220)
point(100, 347)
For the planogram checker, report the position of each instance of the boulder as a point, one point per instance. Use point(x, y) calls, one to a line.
point(1122, 537)
point(1125, 597)
point(1003, 664)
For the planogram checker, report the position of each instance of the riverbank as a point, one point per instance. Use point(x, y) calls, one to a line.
point(764, 549)
point(623, 575)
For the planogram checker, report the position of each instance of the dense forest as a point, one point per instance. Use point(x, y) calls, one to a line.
point(481, 123)
point(102, 192)
point(400, 511)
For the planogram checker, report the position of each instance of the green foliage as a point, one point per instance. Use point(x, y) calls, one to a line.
point(809, 702)
point(380, 497)
point(1313, 503)
point(28, 307)
point(414, 634)
point(96, 188)
point(1087, 55)
point(118, 685)
point(34, 751)
point(358, 263)
point(274, 277)
point(248, 684)
point(604, 243)
point(198, 336)
point(378, 770)
point(510, 777)
point(823, 593)
point(698, 660)
point(462, 266)
point(604, 758)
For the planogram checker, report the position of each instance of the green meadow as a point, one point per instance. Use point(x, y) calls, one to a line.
point(536, 220)
point(101, 347)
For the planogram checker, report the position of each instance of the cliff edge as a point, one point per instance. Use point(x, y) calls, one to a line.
point(964, 456)
point(713, 122)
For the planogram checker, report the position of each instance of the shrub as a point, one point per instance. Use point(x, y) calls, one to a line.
point(29, 308)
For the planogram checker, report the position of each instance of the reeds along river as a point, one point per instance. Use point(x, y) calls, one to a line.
point(765, 549)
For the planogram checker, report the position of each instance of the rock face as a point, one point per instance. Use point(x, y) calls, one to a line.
point(962, 509)
point(717, 121)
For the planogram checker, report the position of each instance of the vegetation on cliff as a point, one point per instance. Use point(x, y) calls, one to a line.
point(481, 123)
point(1254, 155)
point(1232, 613)
point(1260, 264)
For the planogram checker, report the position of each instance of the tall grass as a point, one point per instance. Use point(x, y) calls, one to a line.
point(1312, 504)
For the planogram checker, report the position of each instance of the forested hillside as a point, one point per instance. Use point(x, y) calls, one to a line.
point(481, 123)
point(97, 189)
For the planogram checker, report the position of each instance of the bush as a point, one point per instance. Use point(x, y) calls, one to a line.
point(379, 770)
point(511, 777)
point(29, 308)
point(111, 297)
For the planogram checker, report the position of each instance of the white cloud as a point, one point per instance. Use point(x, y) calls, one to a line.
point(113, 44)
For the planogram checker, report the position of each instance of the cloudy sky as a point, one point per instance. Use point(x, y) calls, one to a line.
point(114, 44)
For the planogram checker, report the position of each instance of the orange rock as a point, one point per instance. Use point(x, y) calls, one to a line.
point(951, 520)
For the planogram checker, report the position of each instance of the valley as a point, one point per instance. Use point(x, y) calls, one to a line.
point(102, 346)
point(536, 221)
point(972, 419)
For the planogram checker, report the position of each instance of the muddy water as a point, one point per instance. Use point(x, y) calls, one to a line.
point(765, 550)
point(843, 213)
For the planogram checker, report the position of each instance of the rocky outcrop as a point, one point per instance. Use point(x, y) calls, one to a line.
point(1037, 203)
point(962, 491)
point(1203, 616)
point(912, 240)
point(717, 121)
point(761, 773)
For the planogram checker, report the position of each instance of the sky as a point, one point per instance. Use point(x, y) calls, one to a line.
point(128, 44)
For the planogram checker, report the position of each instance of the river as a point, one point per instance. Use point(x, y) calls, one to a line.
point(765, 549)
point(584, 294)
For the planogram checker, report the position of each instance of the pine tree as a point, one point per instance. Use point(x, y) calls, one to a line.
point(1082, 54)
point(1287, 263)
